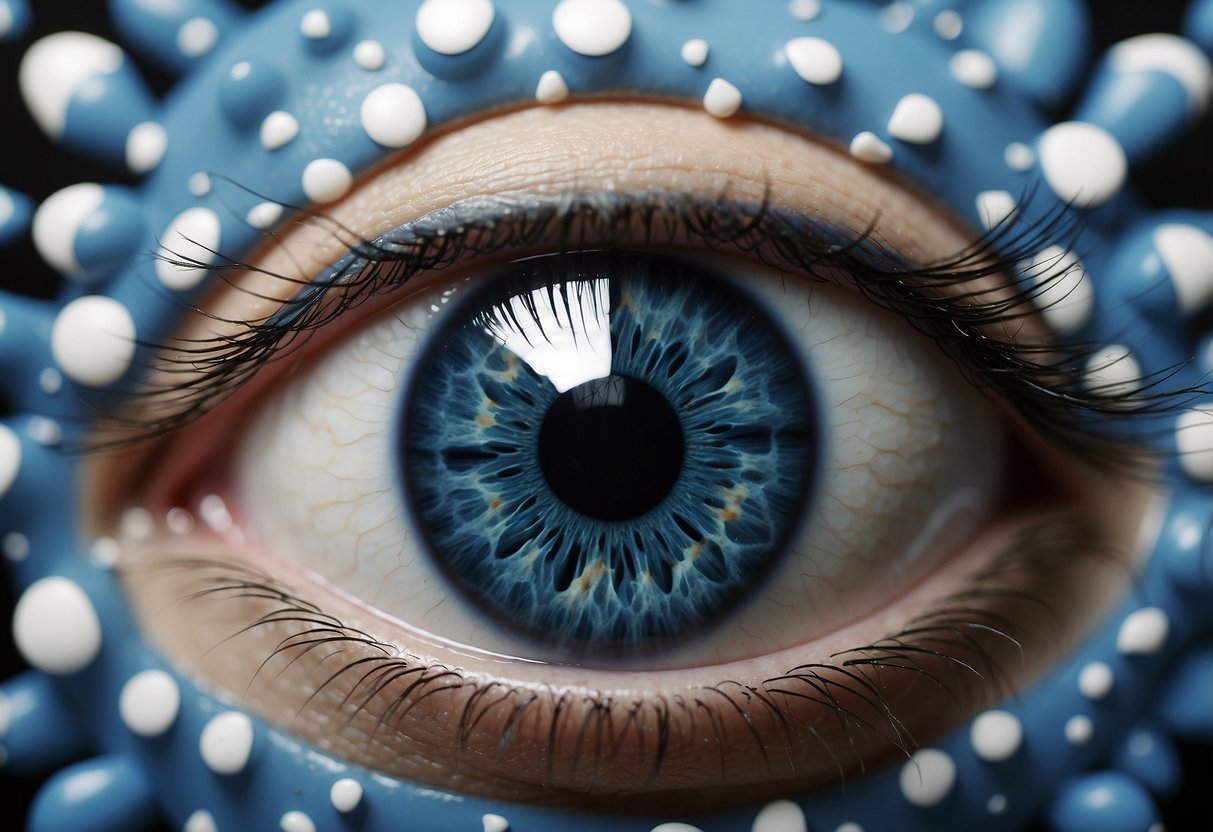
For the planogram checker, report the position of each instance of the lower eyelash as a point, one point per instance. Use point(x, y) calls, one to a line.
point(959, 646)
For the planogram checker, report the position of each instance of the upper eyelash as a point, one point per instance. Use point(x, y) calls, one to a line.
point(1041, 382)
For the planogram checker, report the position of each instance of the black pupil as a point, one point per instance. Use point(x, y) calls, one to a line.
point(611, 448)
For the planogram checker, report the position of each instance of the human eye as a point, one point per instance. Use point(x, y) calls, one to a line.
point(611, 465)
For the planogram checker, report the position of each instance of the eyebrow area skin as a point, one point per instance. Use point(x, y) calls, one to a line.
point(547, 151)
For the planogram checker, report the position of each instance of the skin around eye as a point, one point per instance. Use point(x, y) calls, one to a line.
point(796, 713)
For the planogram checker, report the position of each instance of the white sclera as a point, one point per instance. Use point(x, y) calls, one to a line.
point(93, 340)
point(149, 703)
point(56, 627)
point(309, 471)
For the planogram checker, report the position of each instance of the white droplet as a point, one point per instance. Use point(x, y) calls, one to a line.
point(592, 27)
point(149, 703)
point(16, 545)
point(345, 795)
point(815, 60)
point(694, 52)
point(187, 247)
point(1194, 441)
point(196, 37)
point(1144, 631)
point(494, 823)
point(56, 627)
point(896, 17)
point(1019, 157)
point(393, 115)
point(1065, 297)
point(973, 68)
point(59, 219)
point(780, 816)
point(50, 380)
point(10, 459)
point(996, 736)
point(949, 24)
point(369, 55)
point(199, 184)
point(179, 521)
point(551, 88)
point(916, 119)
point(805, 9)
point(296, 821)
point(452, 27)
point(927, 777)
point(44, 431)
point(278, 129)
point(997, 804)
point(200, 821)
point(722, 98)
point(264, 215)
point(315, 25)
point(136, 523)
point(867, 147)
point(56, 67)
point(849, 827)
point(1187, 253)
point(675, 827)
point(1079, 730)
point(227, 742)
point(1112, 372)
point(146, 145)
point(995, 208)
point(1083, 163)
point(93, 340)
point(104, 553)
point(1172, 55)
point(325, 180)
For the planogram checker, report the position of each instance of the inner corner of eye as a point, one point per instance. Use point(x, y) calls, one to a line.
point(611, 458)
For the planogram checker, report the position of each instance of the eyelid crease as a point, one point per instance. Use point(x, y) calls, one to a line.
point(956, 301)
point(959, 646)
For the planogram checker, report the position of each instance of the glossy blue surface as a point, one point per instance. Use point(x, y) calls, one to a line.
point(1145, 296)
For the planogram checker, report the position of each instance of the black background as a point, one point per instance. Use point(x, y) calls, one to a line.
point(1181, 177)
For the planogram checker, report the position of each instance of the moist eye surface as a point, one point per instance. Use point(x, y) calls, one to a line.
point(608, 451)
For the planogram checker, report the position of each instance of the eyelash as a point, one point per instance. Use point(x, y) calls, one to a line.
point(965, 636)
point(955, 640)
point(1040, 382)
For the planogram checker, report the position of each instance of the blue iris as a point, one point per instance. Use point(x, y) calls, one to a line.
point(608, 451)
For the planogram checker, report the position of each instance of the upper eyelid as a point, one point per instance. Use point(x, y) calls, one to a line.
point(953, 300)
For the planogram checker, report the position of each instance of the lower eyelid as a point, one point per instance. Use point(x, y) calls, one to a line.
point(825, 710)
